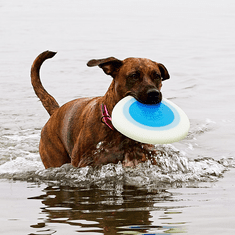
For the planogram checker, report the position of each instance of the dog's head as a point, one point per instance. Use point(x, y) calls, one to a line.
point(138, 77)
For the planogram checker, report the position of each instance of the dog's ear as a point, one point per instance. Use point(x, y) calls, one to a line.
point(110, 65)
point(164, 73)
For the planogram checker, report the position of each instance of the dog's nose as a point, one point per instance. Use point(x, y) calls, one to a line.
point(153, 96)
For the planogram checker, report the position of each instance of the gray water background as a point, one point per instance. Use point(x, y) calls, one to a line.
point(192, 190)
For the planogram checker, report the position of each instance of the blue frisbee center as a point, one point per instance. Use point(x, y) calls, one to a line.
point(156, 115)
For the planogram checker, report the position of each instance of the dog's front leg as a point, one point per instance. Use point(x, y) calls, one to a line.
point(81, 153)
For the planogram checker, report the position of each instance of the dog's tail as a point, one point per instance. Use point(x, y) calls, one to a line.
point(47, 100)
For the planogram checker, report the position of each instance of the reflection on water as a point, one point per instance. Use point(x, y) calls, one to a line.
point(113, 208)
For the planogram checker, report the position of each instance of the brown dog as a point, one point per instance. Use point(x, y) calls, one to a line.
point(80, 132)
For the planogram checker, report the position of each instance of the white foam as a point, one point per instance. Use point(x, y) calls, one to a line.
point(173, 166)
point(20, 165)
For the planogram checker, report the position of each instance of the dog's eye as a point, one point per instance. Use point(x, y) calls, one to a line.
point(156, 76)
point(134, 76)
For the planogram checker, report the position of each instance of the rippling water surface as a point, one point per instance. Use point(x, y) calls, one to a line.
point(191, 190)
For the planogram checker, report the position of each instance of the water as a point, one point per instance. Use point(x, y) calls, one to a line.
point(191, 189)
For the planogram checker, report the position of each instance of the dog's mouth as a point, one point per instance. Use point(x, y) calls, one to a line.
point(152, 96)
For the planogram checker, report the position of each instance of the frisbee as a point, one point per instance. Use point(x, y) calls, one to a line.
point(161, 123)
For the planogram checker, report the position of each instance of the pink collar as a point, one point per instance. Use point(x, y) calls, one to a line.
point(106, 117)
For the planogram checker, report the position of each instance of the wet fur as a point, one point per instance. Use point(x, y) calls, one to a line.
point(74, 130)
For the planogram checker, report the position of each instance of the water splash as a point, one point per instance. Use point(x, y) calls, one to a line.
point(173, 168)
point(200, 129)
point(20, 161)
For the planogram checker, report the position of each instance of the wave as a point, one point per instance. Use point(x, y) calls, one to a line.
point(174, 168)
point(199, 129)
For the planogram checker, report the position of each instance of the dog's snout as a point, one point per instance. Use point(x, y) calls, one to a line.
point(153, 96)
